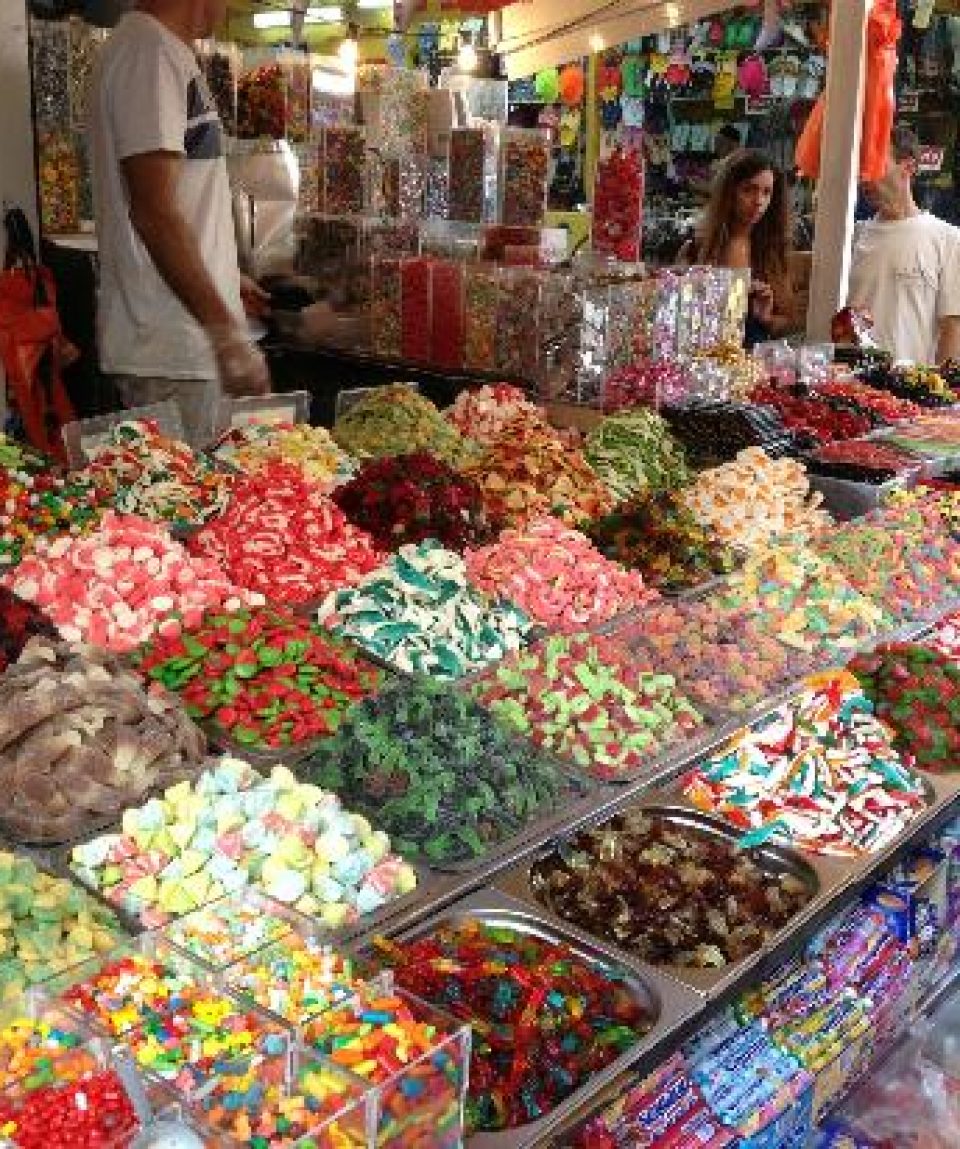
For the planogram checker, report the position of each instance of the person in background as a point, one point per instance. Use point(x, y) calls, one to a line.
point(725, 143)
point(906, 265)
point(171, 321)
point(747, 225)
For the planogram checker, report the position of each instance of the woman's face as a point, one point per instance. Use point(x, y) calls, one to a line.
point(753, 198)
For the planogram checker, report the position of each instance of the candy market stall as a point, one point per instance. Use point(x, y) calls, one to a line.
point(326, 815)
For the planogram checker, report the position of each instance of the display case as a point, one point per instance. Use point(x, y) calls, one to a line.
point(220, 63)
point(472, 174)
point(343, 165)
point(273, 96)
point(524, 176)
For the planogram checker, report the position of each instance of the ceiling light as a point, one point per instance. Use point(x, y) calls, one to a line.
point(349, 50)
point(467, 54)
point(373, 5)
point(330, 14)
point(596, 43)
point(271, 20)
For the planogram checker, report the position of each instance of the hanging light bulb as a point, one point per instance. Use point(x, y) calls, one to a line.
point(349, 50)
point(467, 54)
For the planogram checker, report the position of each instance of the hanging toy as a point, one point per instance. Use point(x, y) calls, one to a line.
point(572, 85)
point(547, 85)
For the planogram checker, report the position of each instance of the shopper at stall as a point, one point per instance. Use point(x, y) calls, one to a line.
point(171, 319)
point(906, 265)
point(747, 225)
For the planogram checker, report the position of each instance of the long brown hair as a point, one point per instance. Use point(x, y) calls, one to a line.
point(770, 240)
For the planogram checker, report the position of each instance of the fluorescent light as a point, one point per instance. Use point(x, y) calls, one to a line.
point(271, 19)
point(348, 52)
point(467, 57)
point(329, 14)
point(374, 5)
point(333, 82)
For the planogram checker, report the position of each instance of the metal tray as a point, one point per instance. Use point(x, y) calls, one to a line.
point(671, 1003)
point(772, 859)
point(847, 500)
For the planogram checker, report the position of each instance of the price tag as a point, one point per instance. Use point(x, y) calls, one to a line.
point(290, 407)
point(87, 435)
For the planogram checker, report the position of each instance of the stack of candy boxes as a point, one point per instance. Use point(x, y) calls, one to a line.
point(767, 1070)
point(270, 1042)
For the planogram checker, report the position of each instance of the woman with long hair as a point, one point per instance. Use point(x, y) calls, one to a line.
point(747, 225)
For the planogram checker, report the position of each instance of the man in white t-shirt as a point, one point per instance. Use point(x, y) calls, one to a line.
point(906, 266)
point(170, 320)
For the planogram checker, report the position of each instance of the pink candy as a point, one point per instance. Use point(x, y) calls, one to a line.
point(557, 576)
point(115, 587)
point(281, 536)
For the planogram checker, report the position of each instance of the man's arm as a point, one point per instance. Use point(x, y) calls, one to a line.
point(152, 181)
point(948, 340)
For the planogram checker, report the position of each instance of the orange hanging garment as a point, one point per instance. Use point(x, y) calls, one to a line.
point(879, 103)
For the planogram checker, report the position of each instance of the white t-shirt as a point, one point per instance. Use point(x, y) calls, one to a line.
point(149, 95)
point(906, 272)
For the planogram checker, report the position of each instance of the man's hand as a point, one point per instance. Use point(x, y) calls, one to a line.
point(240, 362)
point(256, 302)
point(948, 341)
point(761, 301)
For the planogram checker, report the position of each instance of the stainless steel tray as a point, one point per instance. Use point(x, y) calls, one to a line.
point(671, 1003)
point(518, 882)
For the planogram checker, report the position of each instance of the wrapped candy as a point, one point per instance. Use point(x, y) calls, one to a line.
point(618, 205)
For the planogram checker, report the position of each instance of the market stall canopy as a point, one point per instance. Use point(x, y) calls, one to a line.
point(547, 33)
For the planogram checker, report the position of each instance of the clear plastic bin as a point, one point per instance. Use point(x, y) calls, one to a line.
point(472, 165)
point(386, 307)
point(322, 1107)
point(273, 96)
point(343, 170)
point(297, 978)
point(480, 311)
point(232, 928)
point(220, 64)
point(422, 1102)
point(59, 180)
point(518, 319)
point(448, 314)
point(130, 986)
point(524, 176)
